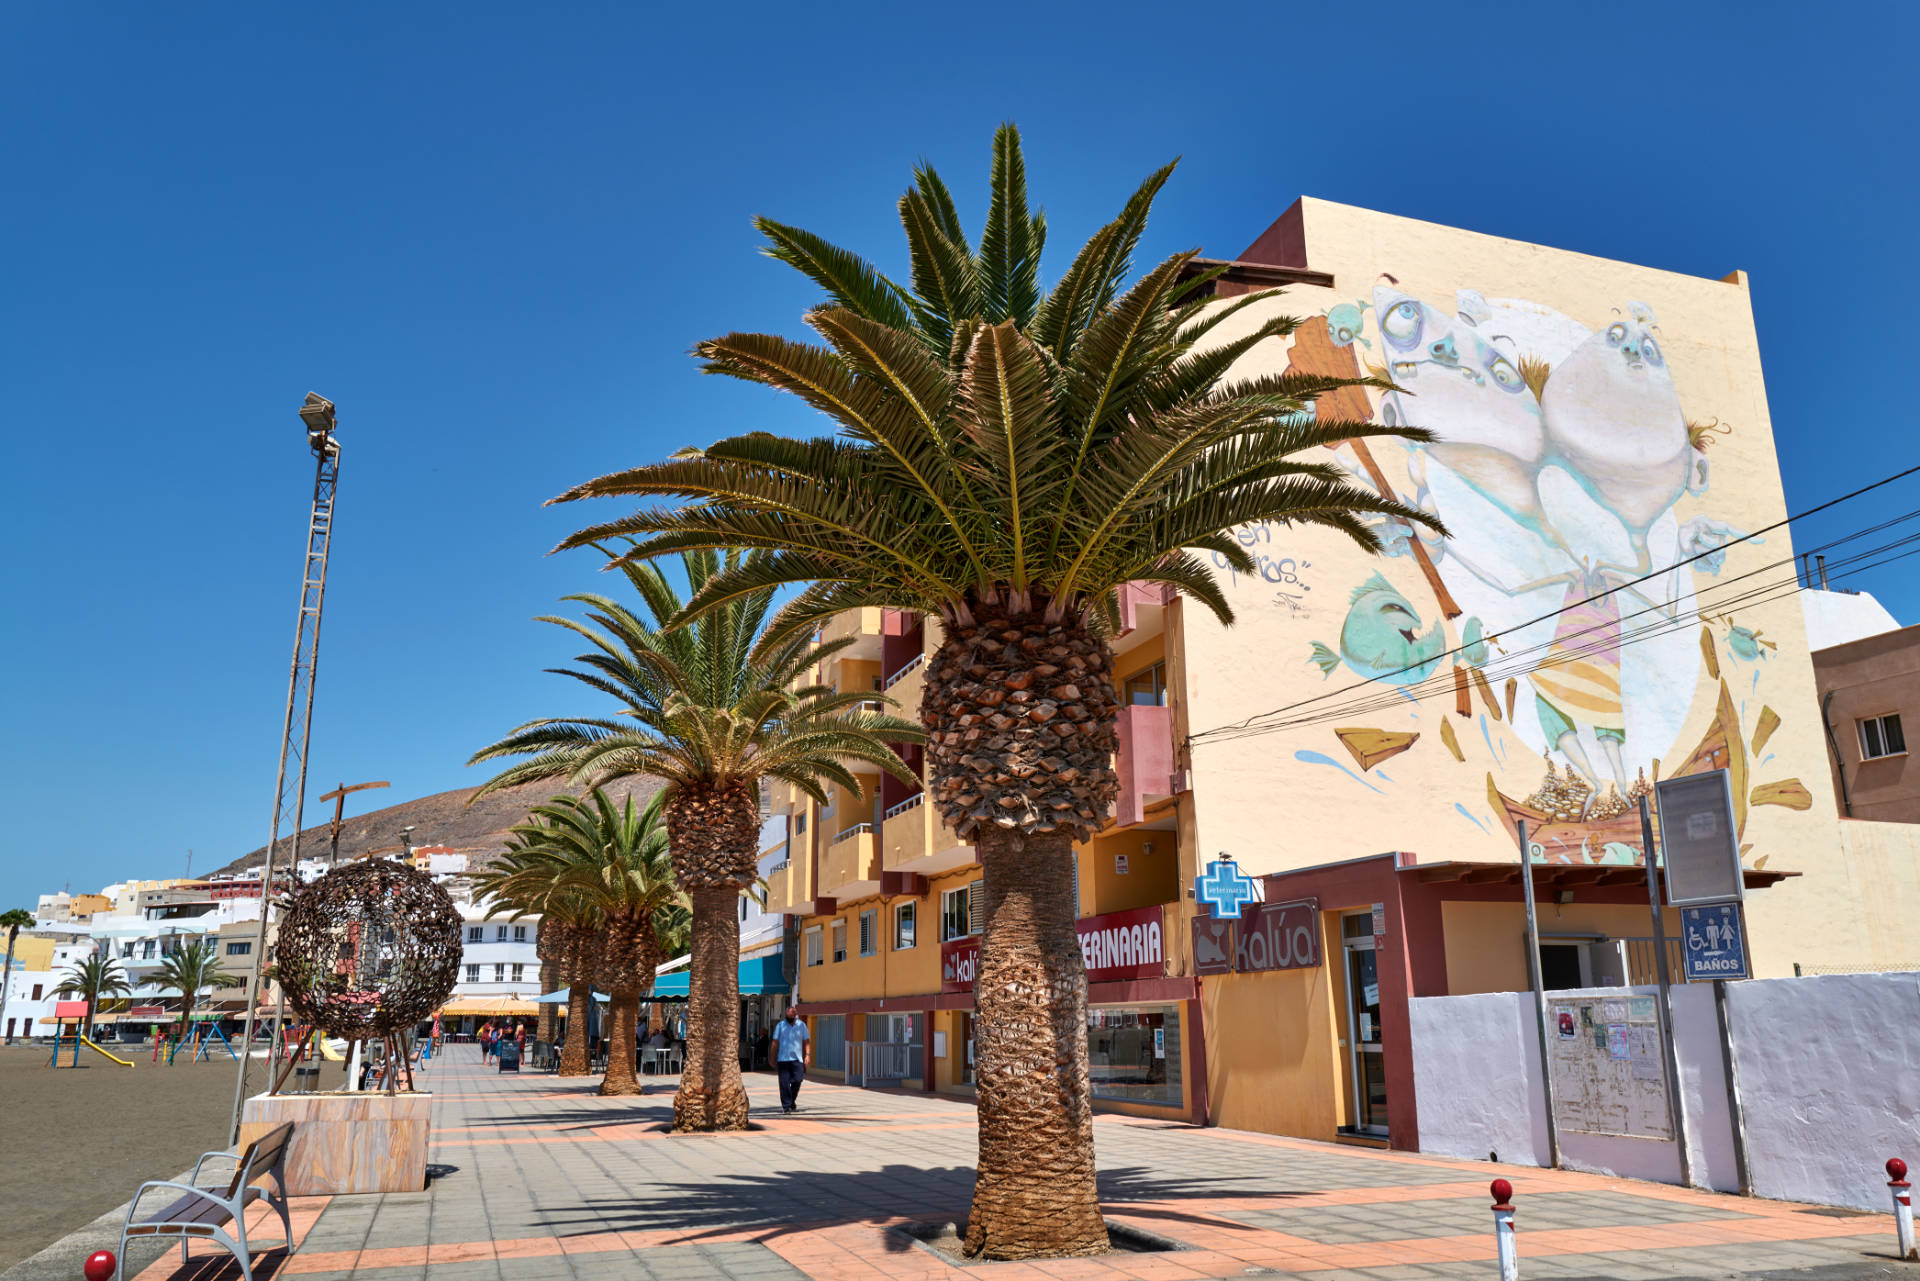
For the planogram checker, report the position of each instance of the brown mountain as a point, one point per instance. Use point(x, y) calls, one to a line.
point(444, 818)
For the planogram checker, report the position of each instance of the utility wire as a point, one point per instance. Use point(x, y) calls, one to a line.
point(1811, 511)
point(1752, 597)
point(1261, 722)
point(1519, 662)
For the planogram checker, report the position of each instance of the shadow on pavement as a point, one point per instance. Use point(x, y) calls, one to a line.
point(777, 1202)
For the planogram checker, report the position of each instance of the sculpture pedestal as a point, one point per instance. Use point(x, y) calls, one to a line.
point(346, 1142)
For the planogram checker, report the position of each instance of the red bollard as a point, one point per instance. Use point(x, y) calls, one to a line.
point(1503, 1229)
point(100, 1266)
point(1902, 1207)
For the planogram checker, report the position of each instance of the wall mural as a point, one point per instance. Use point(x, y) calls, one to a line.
point(1564, 453)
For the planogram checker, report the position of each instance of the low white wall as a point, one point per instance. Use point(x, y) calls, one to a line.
point(1476, 1077)
point(1829, 1082)
point(1827, 1076)
point(1477, 1085)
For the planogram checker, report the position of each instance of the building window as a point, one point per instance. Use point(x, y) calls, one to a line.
point(743, 907)
point(1134, 1053)
point(500, 972)
point(799, 824)
point(519, 973)
point(902, 926)
point(476, 934)
point(869, 932)
point(956, 920)
point(1148, 688)
point(239, 949)
point(813, 945)
point(473, 974)
point(1881, 736)
point(499, 933)
point(519, 933)
point(36, 991)
point(839, 941)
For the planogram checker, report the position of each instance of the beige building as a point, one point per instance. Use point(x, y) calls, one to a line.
point(1371, 736)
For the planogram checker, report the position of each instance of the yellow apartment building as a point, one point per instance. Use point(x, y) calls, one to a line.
point(1371, 736)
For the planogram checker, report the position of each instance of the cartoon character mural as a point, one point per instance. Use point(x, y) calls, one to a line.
point(1562, 453)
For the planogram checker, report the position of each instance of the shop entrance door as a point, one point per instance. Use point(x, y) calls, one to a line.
point(1367, 1062)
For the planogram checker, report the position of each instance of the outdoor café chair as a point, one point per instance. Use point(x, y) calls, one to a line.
point(205, 1212)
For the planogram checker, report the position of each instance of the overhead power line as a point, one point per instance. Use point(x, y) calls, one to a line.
point(1264, 722)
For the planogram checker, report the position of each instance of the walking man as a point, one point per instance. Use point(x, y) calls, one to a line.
point(791, 1054)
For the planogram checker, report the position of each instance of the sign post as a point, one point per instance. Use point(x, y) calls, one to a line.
point(1676, 1106)
point(1539, 993)
point(1706, 882)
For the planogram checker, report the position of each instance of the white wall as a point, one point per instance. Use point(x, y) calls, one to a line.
point(1833, 1061)
point(1826, 1077)
point(1477, 1086)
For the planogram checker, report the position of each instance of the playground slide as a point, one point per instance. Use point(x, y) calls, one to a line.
point(115, 1057)
point(330, 1054)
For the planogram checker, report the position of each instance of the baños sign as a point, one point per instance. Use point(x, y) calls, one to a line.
point(1268, 936)
point(1115, 946)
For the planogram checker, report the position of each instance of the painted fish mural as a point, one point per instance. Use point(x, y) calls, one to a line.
point(1381, 639)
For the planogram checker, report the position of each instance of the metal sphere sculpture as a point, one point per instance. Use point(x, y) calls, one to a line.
point(368, 950)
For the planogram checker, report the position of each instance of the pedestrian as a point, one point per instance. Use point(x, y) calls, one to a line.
point(793, 1050)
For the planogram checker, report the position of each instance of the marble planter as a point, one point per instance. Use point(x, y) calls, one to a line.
point(346, 1142)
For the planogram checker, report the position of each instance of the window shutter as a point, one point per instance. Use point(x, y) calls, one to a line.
point(976, 908)
point(866, 933)
point(1076, 884)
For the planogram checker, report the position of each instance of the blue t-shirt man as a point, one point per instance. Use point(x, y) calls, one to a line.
point(790, 1058)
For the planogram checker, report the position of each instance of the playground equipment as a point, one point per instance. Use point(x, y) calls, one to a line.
point(75, 1013)
point(201, 1037)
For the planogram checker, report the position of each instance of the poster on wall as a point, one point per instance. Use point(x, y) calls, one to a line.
point(1612, 1081)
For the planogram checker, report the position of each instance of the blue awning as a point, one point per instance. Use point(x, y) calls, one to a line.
point(758, 975)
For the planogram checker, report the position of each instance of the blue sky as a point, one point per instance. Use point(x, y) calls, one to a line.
point(491, 233)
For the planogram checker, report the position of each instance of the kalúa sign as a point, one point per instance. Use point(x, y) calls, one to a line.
point(1268, 936)
point(1114, 946)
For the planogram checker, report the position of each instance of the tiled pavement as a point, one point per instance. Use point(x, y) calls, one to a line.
point(537, 1178)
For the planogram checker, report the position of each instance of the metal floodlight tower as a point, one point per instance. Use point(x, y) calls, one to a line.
point(290, 786)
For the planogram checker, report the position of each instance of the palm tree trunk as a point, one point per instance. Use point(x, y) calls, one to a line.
point(1034, 1194)
point(711, 1094)
point(573, 1058)
point(549, 1014)
point(623, 1022)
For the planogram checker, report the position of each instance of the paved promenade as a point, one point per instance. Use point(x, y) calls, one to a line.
point(538, 1179)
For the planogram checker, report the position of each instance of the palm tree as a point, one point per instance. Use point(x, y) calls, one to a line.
point(14, 920)
point(189, 970)
point(1006, 459)
point(614, 860)
point(526, 880)
point(93, 978)
point(712, 710)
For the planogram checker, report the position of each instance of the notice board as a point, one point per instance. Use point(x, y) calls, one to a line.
point(1608, 1065)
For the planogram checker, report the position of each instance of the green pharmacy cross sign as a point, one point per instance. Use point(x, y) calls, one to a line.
point(1223, 888)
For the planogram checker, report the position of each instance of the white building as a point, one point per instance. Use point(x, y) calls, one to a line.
point(30, 995)
point(498, 961)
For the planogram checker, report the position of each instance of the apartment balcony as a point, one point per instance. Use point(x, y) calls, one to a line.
point(905, 685)
point(1143, 612)
point(1144, 761)
point(850, 865)
point(863, 625)
point(780, 888)
point(913, 839)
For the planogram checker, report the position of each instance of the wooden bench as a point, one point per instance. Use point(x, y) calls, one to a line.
point(207, 1212)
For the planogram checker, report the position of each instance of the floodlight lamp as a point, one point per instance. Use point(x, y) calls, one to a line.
point(317, 414)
